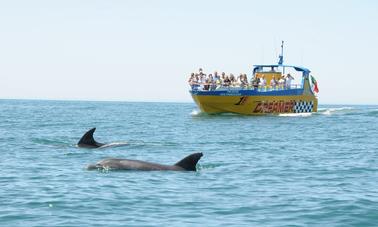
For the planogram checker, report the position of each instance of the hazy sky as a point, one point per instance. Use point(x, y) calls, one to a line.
point(145, 50)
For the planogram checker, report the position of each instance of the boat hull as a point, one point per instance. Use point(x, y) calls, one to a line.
point(256, 104)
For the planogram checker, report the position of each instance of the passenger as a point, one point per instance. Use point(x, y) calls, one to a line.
point(272, 69)
point(223, 77)
point(243, 80)
point(191, 78)
point(262, 82)
point(206, 85)
point(246, 80)
point(195, 82)
point(289, 78)
point(226, 82)
point(217, 80)
point(203, 78)
point(253, 79)
point(212, 82)
point(216, 76)
point(273, 82)
point(233, 80)
point(236, 82)
point(282, 82)
point(200, 71)
point(239, 81)
point(255, 82)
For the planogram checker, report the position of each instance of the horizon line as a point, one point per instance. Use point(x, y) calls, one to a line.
point(145, 101)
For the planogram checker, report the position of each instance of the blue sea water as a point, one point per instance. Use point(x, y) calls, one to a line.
point(309, 169)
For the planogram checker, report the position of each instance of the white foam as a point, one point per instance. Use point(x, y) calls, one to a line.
point(295, 115)
point(195, 113)
point(330, 111)
point(115, 144)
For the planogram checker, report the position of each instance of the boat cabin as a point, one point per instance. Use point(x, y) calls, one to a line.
point(281, 72)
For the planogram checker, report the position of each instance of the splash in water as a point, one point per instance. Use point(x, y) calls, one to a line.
point(295, 115)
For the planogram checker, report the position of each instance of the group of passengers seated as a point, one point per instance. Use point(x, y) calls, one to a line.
point(214, 81)
point(275, 82)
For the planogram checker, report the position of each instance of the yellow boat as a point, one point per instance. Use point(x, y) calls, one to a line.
point(261, 99)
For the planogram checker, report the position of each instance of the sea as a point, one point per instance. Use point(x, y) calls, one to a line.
point(318, 169)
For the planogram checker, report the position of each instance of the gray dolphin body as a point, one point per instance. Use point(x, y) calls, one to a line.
point(187, 164)
point(88, 141)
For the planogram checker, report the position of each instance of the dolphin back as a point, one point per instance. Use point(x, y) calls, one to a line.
point(189, 162)
point(88, 141)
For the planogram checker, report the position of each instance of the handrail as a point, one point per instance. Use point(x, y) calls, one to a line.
point(214, 87)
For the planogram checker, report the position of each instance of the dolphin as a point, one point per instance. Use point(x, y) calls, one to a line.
point(187, 164)
point(88, 141)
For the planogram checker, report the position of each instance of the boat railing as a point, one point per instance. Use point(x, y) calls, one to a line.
point(201, 87)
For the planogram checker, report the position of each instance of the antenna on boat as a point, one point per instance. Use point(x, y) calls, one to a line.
point(280, 58)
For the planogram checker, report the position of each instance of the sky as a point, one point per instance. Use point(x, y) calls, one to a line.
point(145, 50)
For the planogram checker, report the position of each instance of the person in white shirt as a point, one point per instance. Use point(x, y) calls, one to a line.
point(223, 77)
point(233, 80)
point(282, 82)
point(191, 78)
point(212, 82)
point(243, 80)
point(239, 81)
point(289, 78)
point(216, 76)
point(262, 81)
point(194, 82)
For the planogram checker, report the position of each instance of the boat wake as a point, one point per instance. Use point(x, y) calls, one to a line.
point(295, 115)
point(325, 111)
point(335, 110)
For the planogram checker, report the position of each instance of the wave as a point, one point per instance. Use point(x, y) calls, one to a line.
point(53, 143)
point(335, 110)
point(347, 110)
point(372, 113)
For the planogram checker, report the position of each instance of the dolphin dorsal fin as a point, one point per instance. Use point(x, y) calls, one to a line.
point(88, 139)
point(189, 162)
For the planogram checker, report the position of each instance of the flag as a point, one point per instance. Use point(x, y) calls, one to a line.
point(315, 83)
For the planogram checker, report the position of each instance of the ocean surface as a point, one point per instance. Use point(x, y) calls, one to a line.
point(316, 169)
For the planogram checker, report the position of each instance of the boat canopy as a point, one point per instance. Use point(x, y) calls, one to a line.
point(297, 68)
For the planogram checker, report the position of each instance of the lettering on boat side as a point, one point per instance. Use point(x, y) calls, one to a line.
point(230, 94)
point(274, 107)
